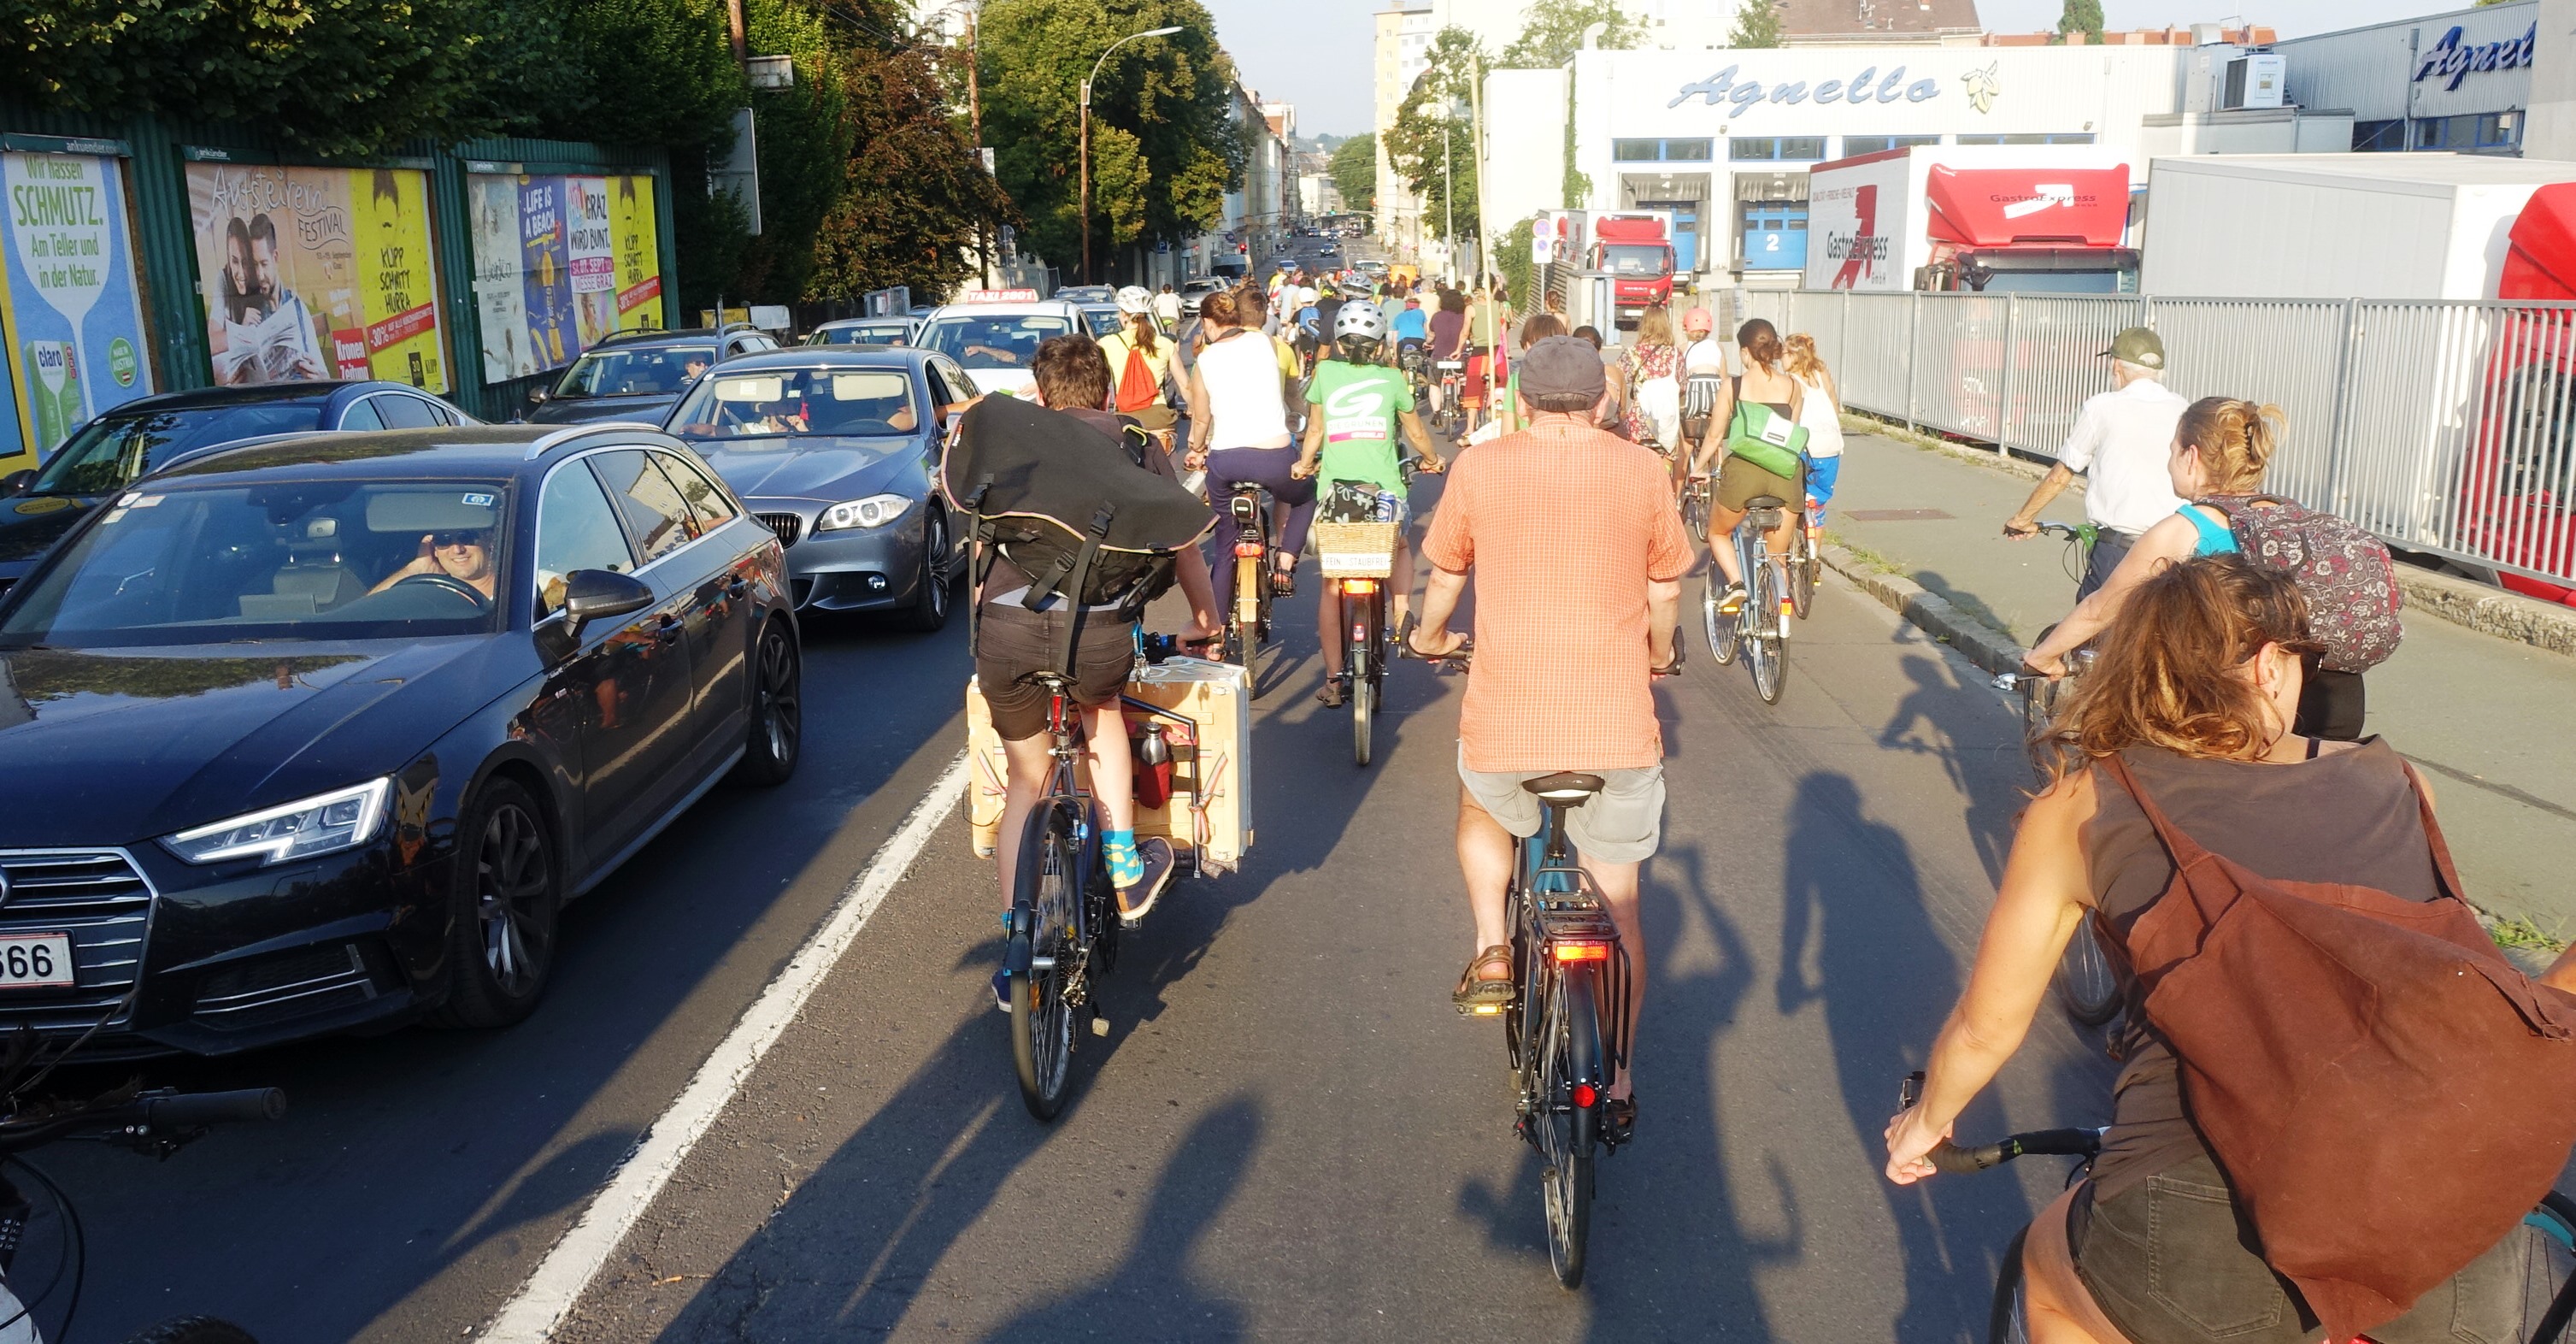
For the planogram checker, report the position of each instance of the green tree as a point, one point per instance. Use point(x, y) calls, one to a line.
point(1757, 24)
point(1354, 170)
point(2080, 16)
point(914, 195)
point(1164, 149)
point(1433, 140)
point(1552, 32)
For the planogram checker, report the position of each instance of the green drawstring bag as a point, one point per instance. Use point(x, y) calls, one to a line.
point(1766, 438)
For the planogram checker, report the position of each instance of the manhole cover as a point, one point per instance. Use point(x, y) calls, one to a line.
point(1895, 515)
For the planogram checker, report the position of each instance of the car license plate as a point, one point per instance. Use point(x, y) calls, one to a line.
point(36, 961)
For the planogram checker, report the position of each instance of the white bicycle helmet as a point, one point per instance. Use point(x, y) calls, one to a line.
point(1360, 318)
point(1135, 299)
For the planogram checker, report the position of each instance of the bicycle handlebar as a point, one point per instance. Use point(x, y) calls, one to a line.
point(196, 1109)
point(151, 1121)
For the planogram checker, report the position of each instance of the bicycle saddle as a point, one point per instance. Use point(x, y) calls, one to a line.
point(1565, 786)
point(1765, 502)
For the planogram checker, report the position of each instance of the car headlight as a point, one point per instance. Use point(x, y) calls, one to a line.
point(322, 824)
point(874, 511)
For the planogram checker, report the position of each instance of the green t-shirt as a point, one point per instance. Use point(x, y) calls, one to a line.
point(1360, 404)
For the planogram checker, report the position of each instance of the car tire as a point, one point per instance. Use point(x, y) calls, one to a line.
point(777, 739)
point(932, 591)
point(194, 1330)
point(505, 894)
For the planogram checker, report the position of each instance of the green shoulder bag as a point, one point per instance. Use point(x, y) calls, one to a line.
point(1766, 438)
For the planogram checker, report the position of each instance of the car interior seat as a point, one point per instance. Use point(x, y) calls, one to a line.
point(315, 577)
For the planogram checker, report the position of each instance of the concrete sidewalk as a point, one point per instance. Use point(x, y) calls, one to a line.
point(2492, 722)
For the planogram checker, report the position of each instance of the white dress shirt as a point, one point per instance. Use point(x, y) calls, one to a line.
point(2121, 442)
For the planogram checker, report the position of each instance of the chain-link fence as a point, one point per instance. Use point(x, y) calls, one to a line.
point(2445, 427)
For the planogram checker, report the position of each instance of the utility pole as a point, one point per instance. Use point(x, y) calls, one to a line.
point(975, 125)
point(1484, 235)
point(1448, 194)
point(733, 23)
point(1086, 135)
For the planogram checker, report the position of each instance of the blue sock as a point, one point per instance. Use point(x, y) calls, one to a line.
point(1119, 848)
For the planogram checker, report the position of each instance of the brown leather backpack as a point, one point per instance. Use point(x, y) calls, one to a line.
point(2387, 1095)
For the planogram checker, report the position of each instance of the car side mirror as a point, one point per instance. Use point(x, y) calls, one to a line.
point(599, 595)
point(16, 482)
point(538, 396)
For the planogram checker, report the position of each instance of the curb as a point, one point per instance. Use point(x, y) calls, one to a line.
point(1975, 640)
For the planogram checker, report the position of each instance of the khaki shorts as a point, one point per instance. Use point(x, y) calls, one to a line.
point(1621, 824)
point(1739, 480)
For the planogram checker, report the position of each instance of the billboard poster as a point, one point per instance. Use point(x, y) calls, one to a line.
point(311, 273)
point(69, 304)
point(561, 262)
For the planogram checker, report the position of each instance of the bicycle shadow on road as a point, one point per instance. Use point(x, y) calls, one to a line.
point(1886, 980)
point(1155, 1293)
point(1985, 767)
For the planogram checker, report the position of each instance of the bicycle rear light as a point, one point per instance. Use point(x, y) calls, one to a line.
point(1586, 1096)
point(1579, 951)
point(1359, 587)
point(1247, 550)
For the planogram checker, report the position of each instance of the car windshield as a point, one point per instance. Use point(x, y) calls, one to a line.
point(621, 373)
point(1633, 259)
point(110, 452)
point(216, 564)
point(781, 402)
point(995, 342)
point(866, 333)
point(1104, 321)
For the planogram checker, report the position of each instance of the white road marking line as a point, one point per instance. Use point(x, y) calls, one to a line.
point(549, 1294)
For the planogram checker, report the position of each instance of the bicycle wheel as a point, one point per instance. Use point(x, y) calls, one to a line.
point(1243, 625)
point(1803, 564)
point(1041, 1018)
point(1695, 512)
point(1568, 1134)
point(1766, 653)
point(2006, 1322)
point(2087, 984)
point(1359, 659)
point(1725, 633)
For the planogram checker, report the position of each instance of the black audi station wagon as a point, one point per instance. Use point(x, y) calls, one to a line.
point(320, 733)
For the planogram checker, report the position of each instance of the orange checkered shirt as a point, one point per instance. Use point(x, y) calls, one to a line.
point(1563, 526)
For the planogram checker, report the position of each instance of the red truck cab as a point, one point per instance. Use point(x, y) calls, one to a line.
point(2518, 487)
point(1636, 248)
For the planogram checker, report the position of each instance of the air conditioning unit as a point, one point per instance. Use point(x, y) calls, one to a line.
point(2255, 80)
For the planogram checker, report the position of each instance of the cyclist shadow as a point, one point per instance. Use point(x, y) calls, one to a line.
point(1886, 982)
point(1154, 1293)
point(1981, 751)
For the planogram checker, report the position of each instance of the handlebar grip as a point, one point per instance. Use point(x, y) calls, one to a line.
point(215, 1108)
point(1951, 1158)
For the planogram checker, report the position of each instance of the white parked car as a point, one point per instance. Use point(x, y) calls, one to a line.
point(995, 334)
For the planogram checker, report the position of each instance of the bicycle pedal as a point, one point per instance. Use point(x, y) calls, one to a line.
point(1100, 1026)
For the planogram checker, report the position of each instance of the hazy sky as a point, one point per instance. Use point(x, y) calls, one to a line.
point(1316, 53)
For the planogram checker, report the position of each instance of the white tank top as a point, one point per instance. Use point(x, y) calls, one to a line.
point(1245, 408)
point(1824, 426)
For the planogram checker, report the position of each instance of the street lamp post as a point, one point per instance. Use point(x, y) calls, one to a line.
point(1086, 135)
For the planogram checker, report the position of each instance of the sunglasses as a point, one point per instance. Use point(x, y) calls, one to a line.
point(442, 540)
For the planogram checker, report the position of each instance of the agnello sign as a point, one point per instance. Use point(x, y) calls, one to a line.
point(1864, 87)
point(2448, 57)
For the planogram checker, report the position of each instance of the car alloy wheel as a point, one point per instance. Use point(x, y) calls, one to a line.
point(930, 599)
point(508, 898)
point(777, 709)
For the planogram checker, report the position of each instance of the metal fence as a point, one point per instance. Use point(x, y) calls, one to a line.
point(2444, 427)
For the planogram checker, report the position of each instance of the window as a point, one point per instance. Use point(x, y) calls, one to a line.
point(994, 342)
point(402, 412)
point(361, 415)
point(1662, 151)
point(2062, 138)
point(112, 450)
point(2476, 133)
point(657, 519)
point(1856, 145)
point(778, 402)
point(1781, 148)
point(576, 529)
point(620, 372)
point(707, 501)
point(2378, 137)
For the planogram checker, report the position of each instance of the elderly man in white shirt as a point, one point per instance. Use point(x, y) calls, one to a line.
point(2120, 442)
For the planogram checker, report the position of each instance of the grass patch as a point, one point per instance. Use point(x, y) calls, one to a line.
point(1864, 554)
point(2522, 932)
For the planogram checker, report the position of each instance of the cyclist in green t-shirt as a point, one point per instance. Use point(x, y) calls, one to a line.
point(1351, 452)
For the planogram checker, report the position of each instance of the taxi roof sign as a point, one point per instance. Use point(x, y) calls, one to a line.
point(998, 296)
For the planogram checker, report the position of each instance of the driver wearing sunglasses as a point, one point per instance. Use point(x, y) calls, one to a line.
point(463, 555)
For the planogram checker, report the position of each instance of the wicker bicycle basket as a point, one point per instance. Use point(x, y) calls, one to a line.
point(1356, 550)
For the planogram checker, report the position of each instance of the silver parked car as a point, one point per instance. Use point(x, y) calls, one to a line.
point(834, 449)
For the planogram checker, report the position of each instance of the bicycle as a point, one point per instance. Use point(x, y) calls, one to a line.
point(1453, 386)
point(1063, 924)
point(1358, 560)
point(1698, 496)
point(1806, 560)
point(1759, 629)
point(155, 1124)
point(2088, 984)
point(2007, 1318)
point(1247, 626)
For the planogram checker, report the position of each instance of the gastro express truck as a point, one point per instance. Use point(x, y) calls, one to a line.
point(2047, 218)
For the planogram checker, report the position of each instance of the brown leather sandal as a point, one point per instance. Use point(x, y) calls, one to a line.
point(1480, 994)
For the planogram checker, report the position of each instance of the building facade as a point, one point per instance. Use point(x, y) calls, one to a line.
point(1403, 39)
point(2459, 81)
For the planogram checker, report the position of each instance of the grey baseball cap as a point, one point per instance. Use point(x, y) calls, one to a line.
point(1562, 366)
point(2140, 346)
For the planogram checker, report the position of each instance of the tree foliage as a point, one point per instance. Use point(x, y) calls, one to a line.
point(911, 190)
point(1757, 24)
point(1164, 147)
point(1433, 140)
point(1553, 31)
point(1354, 171)
point(2080, 16)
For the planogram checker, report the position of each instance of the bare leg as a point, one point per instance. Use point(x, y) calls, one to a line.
point(1328, 627)
point(1113, 769)
point(1485, 859)
point(1618, 884)
point(1028, 762)
point(1399, 585)
point(1722, 522)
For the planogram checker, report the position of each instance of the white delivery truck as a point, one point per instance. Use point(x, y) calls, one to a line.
point(1982, 218)
point(2335, 226)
